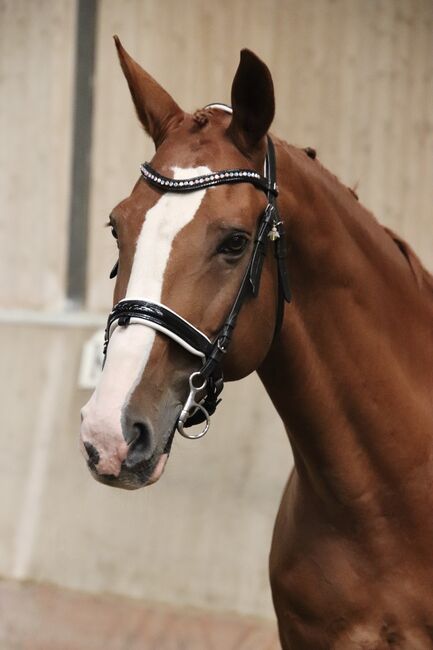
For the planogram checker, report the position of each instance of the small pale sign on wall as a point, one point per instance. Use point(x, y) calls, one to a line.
point(92, 357)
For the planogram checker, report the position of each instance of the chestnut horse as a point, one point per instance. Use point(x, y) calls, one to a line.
point(348, 364)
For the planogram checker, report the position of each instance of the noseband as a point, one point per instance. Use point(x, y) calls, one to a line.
point(206, 384)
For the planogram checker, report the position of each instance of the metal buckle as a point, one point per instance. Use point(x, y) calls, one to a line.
point(191, 406)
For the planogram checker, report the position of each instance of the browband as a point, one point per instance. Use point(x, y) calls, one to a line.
point(223, 177)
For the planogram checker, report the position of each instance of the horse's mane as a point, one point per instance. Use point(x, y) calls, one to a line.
point(422, 276)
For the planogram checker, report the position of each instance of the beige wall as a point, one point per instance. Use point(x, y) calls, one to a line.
point(199, 537)
point(36, 85)
point(353, 78)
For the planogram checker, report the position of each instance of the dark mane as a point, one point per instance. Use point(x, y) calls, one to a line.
point(201, 117)
point(422, 275)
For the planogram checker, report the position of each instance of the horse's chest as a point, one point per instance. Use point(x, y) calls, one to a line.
point(375, 635)
point(331, 601)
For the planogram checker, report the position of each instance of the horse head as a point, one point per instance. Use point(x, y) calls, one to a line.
point(187, 250)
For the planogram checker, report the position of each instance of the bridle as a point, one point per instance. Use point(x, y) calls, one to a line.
point(206, 384)
point(208, 381)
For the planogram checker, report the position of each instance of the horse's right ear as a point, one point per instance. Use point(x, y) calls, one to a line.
point(156, 110)
point(253, 103)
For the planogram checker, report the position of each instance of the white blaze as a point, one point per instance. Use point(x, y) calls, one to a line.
point(129, 348)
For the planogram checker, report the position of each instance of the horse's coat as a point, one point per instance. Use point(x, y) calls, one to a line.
point(350, 371)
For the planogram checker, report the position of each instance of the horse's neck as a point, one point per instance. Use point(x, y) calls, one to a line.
point(351, 371)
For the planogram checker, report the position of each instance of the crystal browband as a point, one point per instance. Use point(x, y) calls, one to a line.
point(208, 180)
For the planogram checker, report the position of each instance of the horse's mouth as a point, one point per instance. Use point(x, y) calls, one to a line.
point(162, 461)
point(133, 479)
point(159, 469)
point(169, 442)
point(138, 476)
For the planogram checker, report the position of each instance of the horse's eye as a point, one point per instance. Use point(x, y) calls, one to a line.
point(235, 244)
point(114, 233)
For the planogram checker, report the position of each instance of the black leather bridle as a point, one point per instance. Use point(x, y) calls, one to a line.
point(207, 382)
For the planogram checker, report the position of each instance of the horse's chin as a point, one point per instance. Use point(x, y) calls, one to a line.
point(133, 479)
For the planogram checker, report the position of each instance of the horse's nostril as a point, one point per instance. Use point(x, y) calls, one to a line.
point(141, 444)
point(93, 455)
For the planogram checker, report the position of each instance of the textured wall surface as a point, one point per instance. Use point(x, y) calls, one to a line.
point(353, 78)
point(198, 537)
point(36, 85)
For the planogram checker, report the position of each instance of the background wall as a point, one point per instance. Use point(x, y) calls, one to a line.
point(353, 78)
point(36, 74)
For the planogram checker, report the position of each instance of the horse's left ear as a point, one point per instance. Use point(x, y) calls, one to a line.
point(253, 103)
point(156, 109)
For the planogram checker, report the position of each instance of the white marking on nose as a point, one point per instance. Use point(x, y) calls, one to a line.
point(129, 348)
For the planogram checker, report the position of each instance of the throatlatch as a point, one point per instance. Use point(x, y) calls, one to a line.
point(206, 384)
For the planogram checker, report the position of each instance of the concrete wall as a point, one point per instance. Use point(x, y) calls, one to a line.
point(354, 78)
point(36, 85)
point(199, 537)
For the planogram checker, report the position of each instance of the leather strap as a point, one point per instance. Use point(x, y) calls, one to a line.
point(160, 318)
point(280, 241)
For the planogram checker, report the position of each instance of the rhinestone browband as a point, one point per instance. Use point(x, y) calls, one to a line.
point(208, 180)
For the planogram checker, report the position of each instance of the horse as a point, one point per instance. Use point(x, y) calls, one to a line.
point(338, 323)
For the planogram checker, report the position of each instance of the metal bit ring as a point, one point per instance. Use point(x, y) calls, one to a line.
point(191, 406)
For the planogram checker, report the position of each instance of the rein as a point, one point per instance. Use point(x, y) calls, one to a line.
point(207, 383)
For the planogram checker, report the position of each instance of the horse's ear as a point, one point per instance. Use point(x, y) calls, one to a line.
point(253, 102)
point(156, 110)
